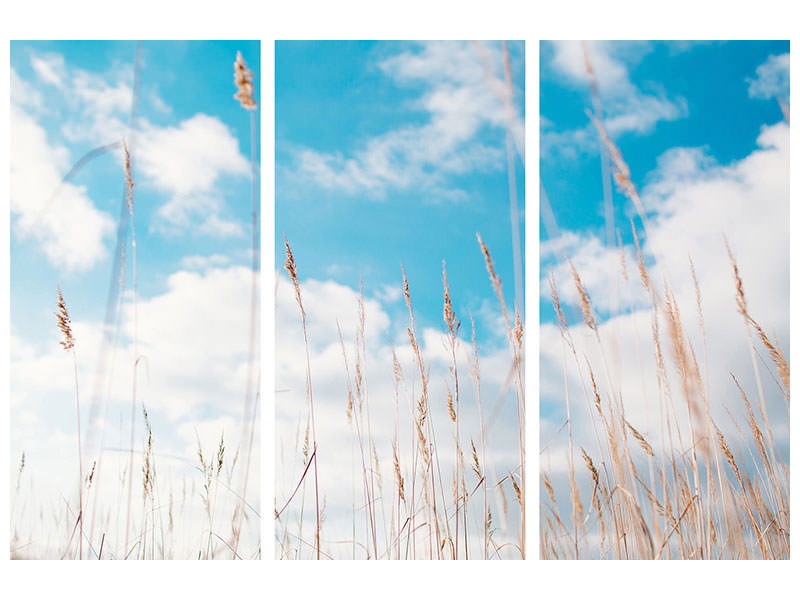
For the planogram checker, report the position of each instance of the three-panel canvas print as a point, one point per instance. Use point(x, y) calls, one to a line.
point(405, 304)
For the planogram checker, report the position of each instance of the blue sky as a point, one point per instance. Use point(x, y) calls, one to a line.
point(191, 165)
point(674, 95)
point(701, 126)
point(174, 90)
point(391, 153)
point(440, 130)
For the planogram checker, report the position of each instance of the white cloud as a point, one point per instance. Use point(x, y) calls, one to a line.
point(50, 69)
point(772, 78)
point(67, 225)
point(158, 103)
point(389, 293)
point(189, 159)
point(600, 269)
point(643, 112)
point(94, 107)
point(462, 98)
point(100, 96)
point(611, 73)
point(23, 94)
point(626, 107)
point(193, 339)
point(186, 162)
point(199, 263)
point(692, 201)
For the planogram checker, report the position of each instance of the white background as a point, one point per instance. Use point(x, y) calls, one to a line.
point(411, 19)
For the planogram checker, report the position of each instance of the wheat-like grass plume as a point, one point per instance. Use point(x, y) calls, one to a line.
point(243, 79)
point(68, 343)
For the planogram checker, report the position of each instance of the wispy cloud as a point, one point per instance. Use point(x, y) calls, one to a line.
point(197, 262)
point(50, 69)
point(627, 108)
point(23, 94)
point(772, 78)
point(93, 106)
point(184, 162)
point(460, 98)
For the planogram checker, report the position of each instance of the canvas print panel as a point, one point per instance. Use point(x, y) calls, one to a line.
point(134, 300)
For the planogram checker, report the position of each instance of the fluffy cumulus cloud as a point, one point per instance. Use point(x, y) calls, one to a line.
point(194, 336)
point(61, 218)
point(464, 94)
point(694, 205)
point(184, 164)
point(331, 307)
point(193, 349)
point(626, 107)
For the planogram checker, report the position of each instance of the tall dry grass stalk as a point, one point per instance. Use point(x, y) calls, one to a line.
point(130, 203)
point(515, 338)
point(68, 343)
point(291, 269)
point(453, 327)
point(243, 79)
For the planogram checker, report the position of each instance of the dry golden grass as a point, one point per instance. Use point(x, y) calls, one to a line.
point(686, 504)
point(689, 495)
point(243, 79)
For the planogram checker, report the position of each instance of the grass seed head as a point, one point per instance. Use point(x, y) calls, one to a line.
point(453, 324)
point(450, 408)
point(586, 305)
point(243, 79)
point(64, 323)
point(128, 177)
